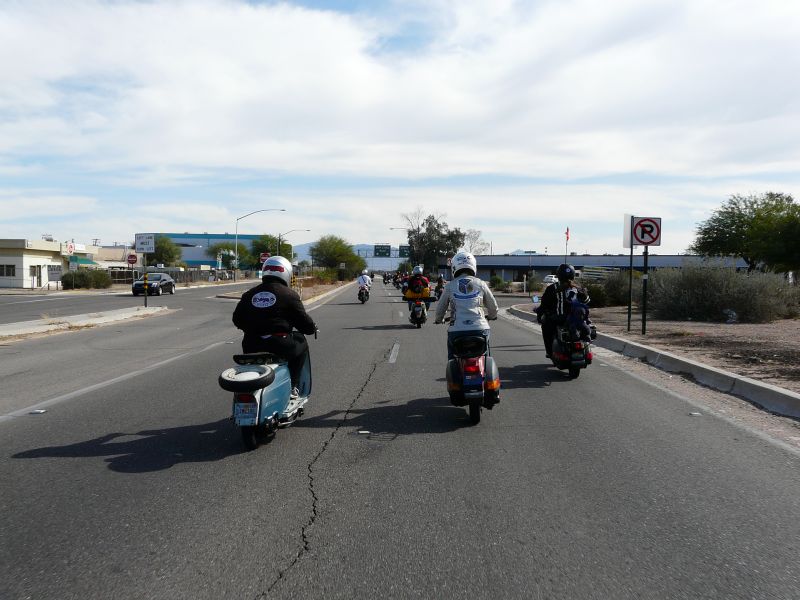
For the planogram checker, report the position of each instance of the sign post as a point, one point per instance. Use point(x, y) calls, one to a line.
point(644, 231)
point(145, 242)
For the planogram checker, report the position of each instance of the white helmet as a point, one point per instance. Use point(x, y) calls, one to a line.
point(417, 270)
point(365, 272)
point(464, 261)
point(279, 268)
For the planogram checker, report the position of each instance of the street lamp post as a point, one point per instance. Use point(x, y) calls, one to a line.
point(281, 235)
point(236, 238)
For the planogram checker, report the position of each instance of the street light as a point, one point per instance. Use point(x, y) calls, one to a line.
point(280, 235)
point(236, 242)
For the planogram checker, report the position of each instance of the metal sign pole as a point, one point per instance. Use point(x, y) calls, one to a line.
point(630, 277)
point(144, 276)
point(644, 294)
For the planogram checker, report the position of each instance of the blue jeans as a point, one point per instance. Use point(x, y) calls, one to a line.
point(451, 335)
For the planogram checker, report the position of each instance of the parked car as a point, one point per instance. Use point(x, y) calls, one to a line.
point(157, 283)
point(548, 279)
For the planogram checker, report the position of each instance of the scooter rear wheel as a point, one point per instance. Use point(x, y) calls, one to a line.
point(474, 411)
point(574, 372)
point(250, 437)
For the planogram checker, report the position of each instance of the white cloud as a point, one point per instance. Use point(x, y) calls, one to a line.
point(176, 93)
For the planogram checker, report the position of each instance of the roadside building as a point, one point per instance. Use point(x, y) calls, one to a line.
point(194, 246)
point(33, 264)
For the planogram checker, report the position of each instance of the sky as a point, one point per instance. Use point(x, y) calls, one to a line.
point(516, 118)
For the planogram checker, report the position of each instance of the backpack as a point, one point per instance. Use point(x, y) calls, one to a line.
point(416, 285)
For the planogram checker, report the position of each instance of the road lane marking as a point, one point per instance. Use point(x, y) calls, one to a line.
point(29, 301)
point(104, 384)
point(393, 354)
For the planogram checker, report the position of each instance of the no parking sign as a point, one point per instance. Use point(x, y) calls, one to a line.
point(647, 231)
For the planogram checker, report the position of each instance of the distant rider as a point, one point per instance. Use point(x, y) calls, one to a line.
point(555, 306)
point(267, 314)
point(418, 287)
point(364, 279)
point(466, 296)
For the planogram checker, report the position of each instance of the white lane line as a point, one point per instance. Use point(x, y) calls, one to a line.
point(103, 384)
point(29, 301)
point(393, 354)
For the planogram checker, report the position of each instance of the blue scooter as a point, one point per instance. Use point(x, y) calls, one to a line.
point(262, 390)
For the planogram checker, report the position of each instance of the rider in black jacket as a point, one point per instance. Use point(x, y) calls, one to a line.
point(554, 307)
point(267, 314)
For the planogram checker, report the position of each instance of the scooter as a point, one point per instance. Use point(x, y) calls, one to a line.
point(570, 353)
point(472, 376)
point(419, 313)
point(262, 390)
point(363, 293)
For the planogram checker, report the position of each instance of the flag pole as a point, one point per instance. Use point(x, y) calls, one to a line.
point(566, 245)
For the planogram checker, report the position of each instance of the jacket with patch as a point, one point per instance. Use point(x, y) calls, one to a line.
point(272, 307)
point(467, 296)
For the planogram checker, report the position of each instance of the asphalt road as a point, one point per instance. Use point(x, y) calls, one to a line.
point(600, 487)
point(20, 307)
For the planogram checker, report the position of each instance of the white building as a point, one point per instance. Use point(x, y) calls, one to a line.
point(34, 264)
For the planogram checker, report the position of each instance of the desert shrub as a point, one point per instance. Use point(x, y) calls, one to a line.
point(616, 287)
point(72, 280)
point(99, 279)
point(708, 294)
point(496, 282)
point(597, 295)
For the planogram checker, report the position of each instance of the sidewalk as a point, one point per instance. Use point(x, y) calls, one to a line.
point(118, 288)
point(671, 349)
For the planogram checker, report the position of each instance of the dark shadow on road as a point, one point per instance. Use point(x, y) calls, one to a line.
point(530, 376)
point(384, 327)
point(423, 415)
point(154, 449)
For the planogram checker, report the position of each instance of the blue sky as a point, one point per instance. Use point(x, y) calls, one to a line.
point(514, 118)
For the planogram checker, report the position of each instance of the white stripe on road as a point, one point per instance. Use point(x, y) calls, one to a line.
point(28, 301)
point(394, 352)
point(103, 384)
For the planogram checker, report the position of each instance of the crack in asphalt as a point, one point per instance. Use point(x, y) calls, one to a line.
point(306, 547)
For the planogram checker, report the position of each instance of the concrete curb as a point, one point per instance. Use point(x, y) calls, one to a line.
point(769, 397)
point(85, 320)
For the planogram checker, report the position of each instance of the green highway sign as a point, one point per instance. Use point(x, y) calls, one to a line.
point(405, 251)
point(382, 250)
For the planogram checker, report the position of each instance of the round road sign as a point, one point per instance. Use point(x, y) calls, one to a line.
point(132, 259)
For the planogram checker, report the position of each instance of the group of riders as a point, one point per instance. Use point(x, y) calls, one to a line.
point(273, 318)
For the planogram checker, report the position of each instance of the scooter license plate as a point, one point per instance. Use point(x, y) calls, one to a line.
point(245, 413)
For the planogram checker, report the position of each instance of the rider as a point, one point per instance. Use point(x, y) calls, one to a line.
point(554, 307)
point(439, 286)
point(418, 287)
point(467, 295)
point(364, 279)
point(268, 312)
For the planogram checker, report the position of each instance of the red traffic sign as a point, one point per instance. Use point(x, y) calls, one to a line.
point(647, 231)
point(264, 256)
point(132, 259)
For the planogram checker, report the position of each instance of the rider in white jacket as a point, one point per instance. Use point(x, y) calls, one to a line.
point(466, 295)
point(364, 279)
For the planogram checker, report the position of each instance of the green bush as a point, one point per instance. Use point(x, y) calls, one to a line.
point(496, 282)
point(85, 278)
point(616, 287)
point(708, 294)
point(597, 295)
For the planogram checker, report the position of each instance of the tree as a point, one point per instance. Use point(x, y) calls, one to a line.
point(226, 249)
point(269, 243)
point(429, 238)
point(330, 251)
point(473, 242)
point(167, 253)
point(759, 229)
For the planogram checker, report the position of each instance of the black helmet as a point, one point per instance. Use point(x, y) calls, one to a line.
point(565, 272)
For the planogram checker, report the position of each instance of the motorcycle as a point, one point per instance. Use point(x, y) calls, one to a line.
point(472, 376)
point(571, 353)
point(363, 293)
point(262, 390)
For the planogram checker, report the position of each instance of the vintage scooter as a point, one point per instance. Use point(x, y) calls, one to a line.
point(472, 376)
point(363, 293)
point(262, 389)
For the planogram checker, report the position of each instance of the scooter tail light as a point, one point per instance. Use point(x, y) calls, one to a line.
point(472, 366)
point(245, 398)
point(590, 356)
point(492, 384)
point(453, 387)
point(578, 346)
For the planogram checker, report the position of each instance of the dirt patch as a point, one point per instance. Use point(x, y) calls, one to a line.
point(768, 352)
